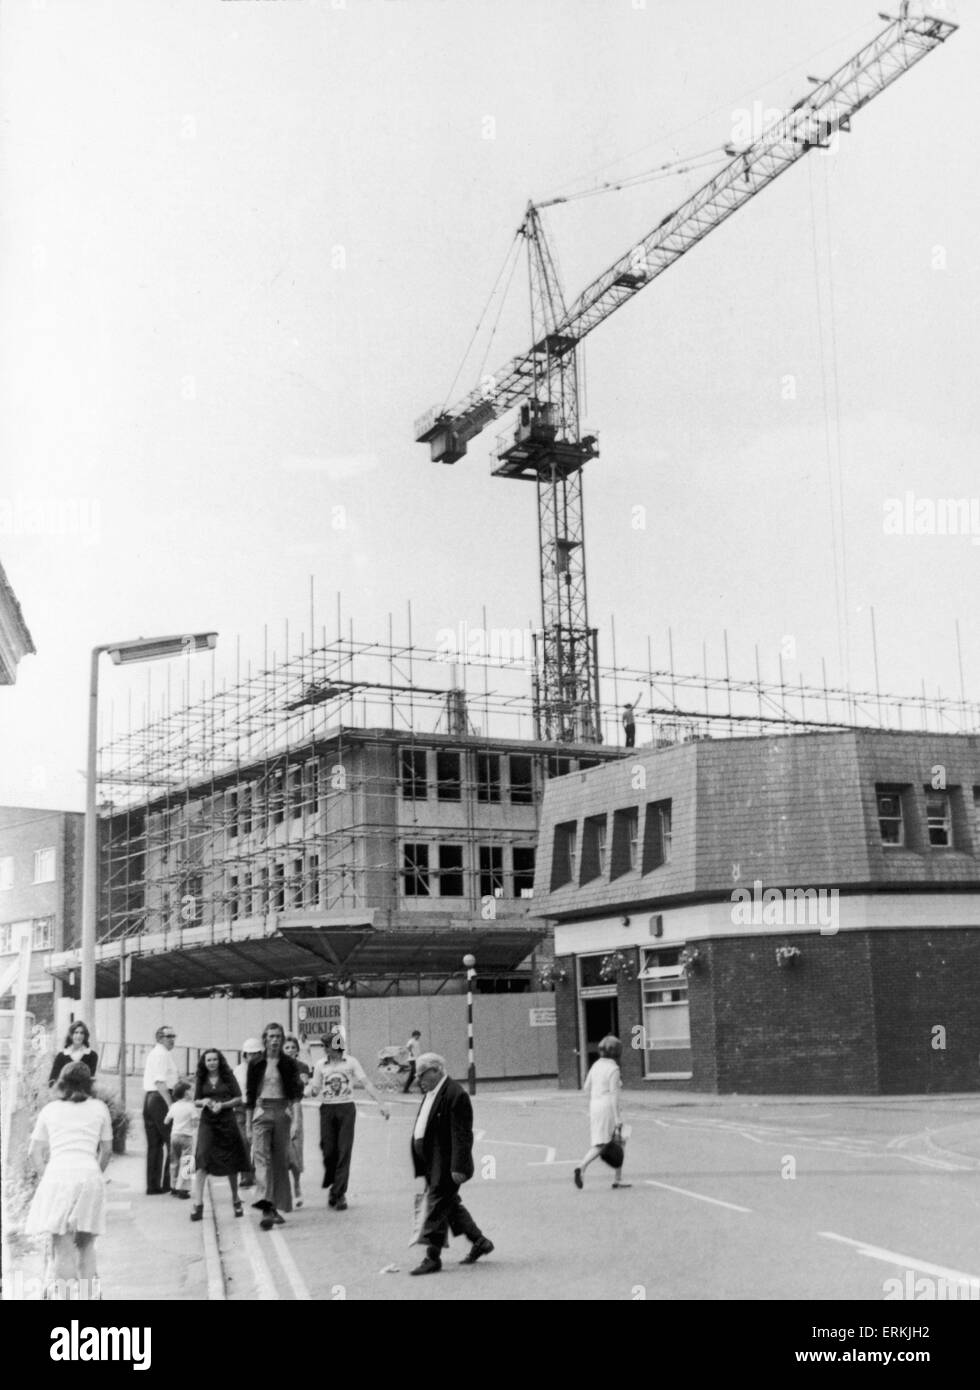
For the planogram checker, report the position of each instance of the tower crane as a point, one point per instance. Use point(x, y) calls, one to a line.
point(547, 447)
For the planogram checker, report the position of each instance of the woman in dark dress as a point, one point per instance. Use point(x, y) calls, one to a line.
point(220, 1149)
point(76, 1049)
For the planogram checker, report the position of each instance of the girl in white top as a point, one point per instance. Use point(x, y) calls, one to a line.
point(72, 1143)
point(603, 1083)
point(183, 1118)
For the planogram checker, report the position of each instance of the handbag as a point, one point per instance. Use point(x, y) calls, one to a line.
point(613, 1152)
point(185, 1172)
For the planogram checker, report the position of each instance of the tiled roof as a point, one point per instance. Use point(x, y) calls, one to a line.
point(790, 810)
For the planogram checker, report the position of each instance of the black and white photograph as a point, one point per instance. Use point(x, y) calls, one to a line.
point(441, 890)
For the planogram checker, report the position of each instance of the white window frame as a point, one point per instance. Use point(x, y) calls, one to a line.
point(656, 978)
point(41, 862)
point(41, 939)
point(900, 818)
point(633, 838)
point(944, 824)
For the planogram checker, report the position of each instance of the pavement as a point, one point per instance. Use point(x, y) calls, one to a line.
point(715, 1150)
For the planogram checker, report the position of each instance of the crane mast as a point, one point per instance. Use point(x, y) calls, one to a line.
point(547, 447)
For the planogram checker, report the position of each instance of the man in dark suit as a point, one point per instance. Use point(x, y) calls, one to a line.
point(442, 1152)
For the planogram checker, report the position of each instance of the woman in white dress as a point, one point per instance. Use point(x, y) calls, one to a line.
point(71, 1143)
point(603, 1084)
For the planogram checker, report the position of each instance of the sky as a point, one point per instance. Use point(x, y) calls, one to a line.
point(244, 244)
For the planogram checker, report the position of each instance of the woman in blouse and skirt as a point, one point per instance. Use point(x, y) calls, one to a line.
point(76, 1049)
point(72, 1143)
point(603, 1084)
point(291, 1048)
point(220, 1148)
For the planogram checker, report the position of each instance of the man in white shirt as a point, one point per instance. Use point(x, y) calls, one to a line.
point(442, 1153)
point(160, 1076)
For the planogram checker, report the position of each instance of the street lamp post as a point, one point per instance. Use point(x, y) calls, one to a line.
point(470, 963)
point(122, 653)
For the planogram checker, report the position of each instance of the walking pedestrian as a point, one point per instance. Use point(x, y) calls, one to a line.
point(220, 1149)
point(442, 1154)
point(71, 1145)
point(413, 1047)
point(334, 1078)
point(603, 1083)
point(77, 1048)
point(160, 1076)
point(296, 1138)
point(273, 1086)
point(182, 1117)
point(251, 1049)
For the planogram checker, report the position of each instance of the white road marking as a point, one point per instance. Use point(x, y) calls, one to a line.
point(300, 1291)
point(264, 1282)
point(212, 1256)
point(698, 1195)
point(892, 1257)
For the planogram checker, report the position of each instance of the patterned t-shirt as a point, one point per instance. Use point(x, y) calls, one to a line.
point(333, 1081)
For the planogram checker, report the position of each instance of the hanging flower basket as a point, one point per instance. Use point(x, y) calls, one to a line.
point(552, 974)
point(690, 960)
point(787, 955)
point(617, 966)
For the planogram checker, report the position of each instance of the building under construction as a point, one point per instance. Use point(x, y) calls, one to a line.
point(355, 817)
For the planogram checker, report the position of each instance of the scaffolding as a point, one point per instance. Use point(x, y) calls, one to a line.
point(249, 801)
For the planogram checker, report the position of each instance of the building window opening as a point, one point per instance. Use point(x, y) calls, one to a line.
point(491, 871)
point(451, 871)
point(44, 865)
point(523, 860)
point(890, 823)
point(666, 1016)
point(938, 820)
point(657, 836)
point(488, 777)
point(625, 846)
point(448, 775)
point(413, 779)
point(521, 780)
point(593, 848)
point(565, 854)
point(313, 893)
point(415, 870)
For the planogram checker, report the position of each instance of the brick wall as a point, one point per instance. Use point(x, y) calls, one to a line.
point(926, 981)
point(631, 1018)
point(806, 1028)
point(566, 1021)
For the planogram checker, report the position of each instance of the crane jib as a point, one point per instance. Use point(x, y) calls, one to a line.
point(811, 123)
